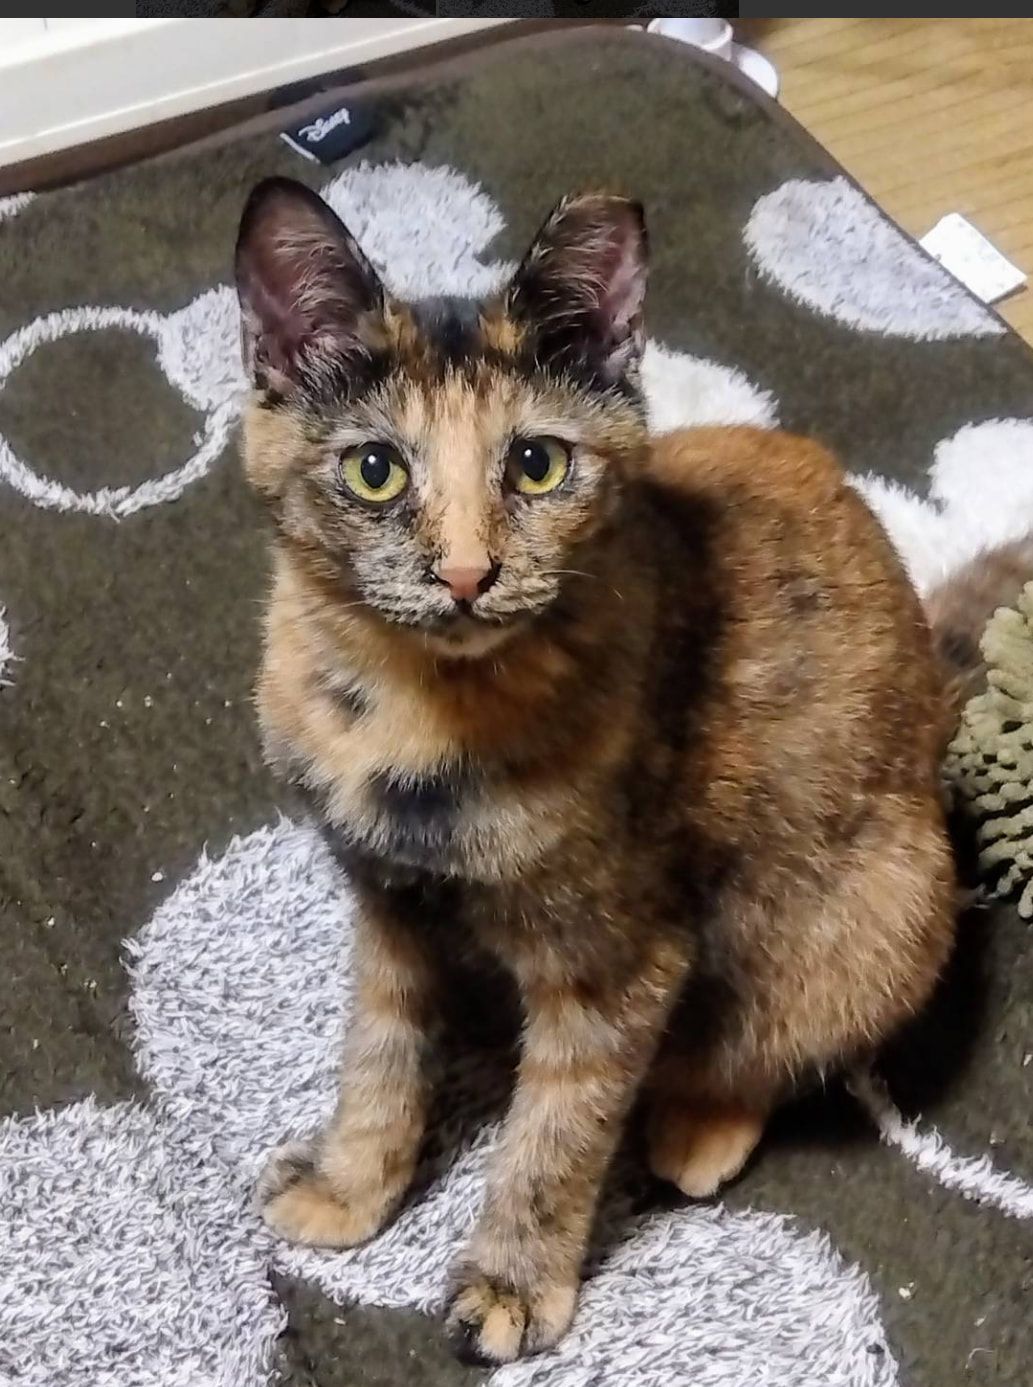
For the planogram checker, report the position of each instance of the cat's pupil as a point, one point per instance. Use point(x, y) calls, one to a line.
point(534, 460)
point(375, 469)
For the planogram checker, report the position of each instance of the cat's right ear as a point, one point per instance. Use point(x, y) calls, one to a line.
point(310, 302)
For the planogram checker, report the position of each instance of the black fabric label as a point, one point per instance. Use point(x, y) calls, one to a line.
point(333, 134)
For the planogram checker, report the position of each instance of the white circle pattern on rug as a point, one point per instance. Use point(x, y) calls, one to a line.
point(251, 1063)
point(6, 652)
point(980, 496)
point(825, 245)
point(123, 1260)
point(191, 348)
point(423, 228)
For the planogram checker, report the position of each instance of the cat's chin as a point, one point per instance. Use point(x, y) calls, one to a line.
point(469, 639)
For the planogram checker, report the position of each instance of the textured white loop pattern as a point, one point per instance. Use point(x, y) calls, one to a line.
point(11, 206)
point(199, 350)
point(975, 1177)
point(682, 391)
point(718, 1299)
point(824, 244)
point(6, 653)
point(423, 228)
point(980, 496)
point(204, 379)
point(125, 1259)
point(239, 991)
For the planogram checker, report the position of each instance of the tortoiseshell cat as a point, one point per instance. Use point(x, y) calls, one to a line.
point(655, 723)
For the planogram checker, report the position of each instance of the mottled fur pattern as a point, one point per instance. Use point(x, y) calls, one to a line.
point(675, 770)
point(959, 609)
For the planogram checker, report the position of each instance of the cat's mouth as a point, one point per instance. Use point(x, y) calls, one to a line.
point(467, 635)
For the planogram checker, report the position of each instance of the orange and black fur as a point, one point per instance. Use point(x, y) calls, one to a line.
point(654, 723)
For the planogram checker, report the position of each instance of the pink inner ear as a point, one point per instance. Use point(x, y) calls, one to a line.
point(625, 285)
point(305, 287)
point(282, 326)
point(274, 291)
point(279, 312)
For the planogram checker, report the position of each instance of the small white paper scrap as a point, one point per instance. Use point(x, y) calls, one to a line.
point(970, 257)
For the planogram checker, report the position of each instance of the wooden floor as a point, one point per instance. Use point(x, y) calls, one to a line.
point(929, 115)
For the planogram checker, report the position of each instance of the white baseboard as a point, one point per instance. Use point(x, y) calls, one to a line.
point(81, 80)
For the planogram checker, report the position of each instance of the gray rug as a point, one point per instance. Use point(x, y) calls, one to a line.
point(143, 1080)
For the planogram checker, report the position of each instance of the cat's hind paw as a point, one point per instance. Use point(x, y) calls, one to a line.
point(699, 1150)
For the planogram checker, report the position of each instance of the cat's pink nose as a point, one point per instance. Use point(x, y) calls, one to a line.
point(464, 583)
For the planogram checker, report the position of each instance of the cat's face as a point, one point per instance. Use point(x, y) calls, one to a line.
point(447, 467)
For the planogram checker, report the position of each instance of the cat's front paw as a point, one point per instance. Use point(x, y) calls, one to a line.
point(298, 1202)
point(490, 1321)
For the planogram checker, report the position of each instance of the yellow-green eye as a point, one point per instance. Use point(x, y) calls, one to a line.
point(374, 473)
point(537, 465)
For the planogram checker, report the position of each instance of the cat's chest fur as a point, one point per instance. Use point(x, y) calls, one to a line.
point(393, 781)
point(456, 819)
point(428, 819)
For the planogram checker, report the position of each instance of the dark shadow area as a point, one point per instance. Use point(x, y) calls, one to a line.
point(325, 1345)
point(930, 1055)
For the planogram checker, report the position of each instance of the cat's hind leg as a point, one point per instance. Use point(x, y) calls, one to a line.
point(814, 982)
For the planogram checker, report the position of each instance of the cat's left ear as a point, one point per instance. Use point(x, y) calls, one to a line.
point(311, 305)
point(581, 287)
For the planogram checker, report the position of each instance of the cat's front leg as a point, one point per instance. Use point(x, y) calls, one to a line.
point(587, 1043)
point(342, 1187)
